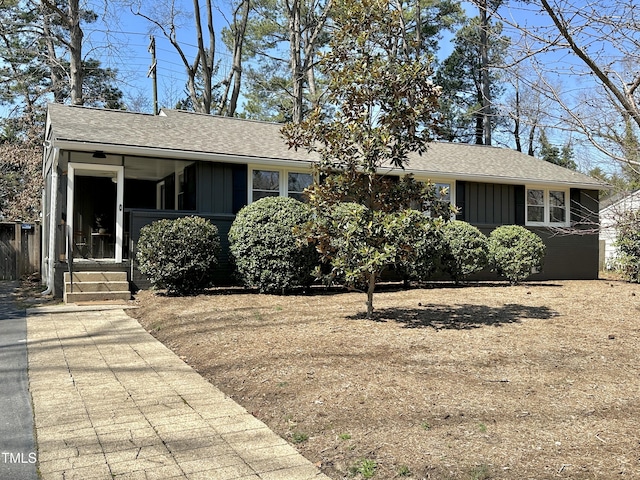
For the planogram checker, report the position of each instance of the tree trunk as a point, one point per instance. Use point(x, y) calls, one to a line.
point(311, 81)
point(295, 60)
point(516, 123)
point(52, 61)
point(532, 135)
point(206, 58)
point(370, 289)
point(484, 58)
point(479, 128)
point(236, 72)
point(75, 52)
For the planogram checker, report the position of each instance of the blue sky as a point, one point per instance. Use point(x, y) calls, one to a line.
point(131, 58)
point(121, 41)
point(123, 44)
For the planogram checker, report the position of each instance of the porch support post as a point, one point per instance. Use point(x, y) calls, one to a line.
point(71, 179)
point(119, 213)
point(53, 214)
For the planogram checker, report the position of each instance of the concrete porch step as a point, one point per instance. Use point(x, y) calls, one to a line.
point(95, 286)
point(96, 277)
point(79, 297)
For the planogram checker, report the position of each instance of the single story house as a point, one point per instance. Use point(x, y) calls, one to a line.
point(108, 173)
point(612, 211)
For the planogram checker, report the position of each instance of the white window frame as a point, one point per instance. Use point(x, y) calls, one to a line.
point(178, 187)
point(283, 178)
point(547, 206)
point(452, 191)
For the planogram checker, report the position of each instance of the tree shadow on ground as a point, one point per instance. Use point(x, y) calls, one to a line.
point(458, 317)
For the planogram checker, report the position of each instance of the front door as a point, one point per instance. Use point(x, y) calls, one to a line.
point(95, 211)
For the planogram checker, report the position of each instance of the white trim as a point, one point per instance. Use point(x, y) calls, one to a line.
point(495, 179)
point(119, 206)
point(50, 259)
point(185, 155)
point(547, 207)
point(160, 194)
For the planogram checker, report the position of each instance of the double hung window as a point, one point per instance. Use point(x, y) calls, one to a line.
point(278, 183)
point(547, 207)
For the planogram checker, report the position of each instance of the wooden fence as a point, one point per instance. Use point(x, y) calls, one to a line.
point(20, 245)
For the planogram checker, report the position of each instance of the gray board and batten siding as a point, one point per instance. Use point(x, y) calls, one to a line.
point(568, 256)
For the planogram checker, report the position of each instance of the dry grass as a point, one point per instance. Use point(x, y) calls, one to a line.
point(485, 381)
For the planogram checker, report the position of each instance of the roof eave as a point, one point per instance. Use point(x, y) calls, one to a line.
point(502, 179)
point(139, 151)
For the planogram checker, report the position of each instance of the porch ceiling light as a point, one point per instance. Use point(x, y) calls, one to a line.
point(99, 154)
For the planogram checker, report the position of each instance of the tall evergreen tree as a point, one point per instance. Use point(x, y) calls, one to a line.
point(283, 39)
point(552, 154)
point(462, 78)
point(36, 67)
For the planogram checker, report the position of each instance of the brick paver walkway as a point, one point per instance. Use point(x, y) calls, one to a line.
point(110, 401)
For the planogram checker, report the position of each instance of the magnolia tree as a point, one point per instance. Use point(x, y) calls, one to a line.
point(381, 106)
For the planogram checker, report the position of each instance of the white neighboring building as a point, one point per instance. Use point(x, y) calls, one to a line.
point(611, 210)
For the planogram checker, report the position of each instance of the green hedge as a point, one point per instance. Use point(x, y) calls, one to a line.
point(465, 250)
point(628, 243)
point(179, 255)
point(515, 252)
point(267, 254)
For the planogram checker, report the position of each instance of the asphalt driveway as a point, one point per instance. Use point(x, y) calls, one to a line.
point(17, 445)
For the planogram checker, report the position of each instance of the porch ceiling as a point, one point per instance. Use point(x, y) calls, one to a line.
point(138, 168)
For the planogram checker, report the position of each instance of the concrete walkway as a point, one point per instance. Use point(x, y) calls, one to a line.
point(110, 401)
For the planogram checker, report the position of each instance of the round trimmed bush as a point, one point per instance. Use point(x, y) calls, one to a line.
point(179, 255)
point(465, 250)
point(422, 246)
point(267, 253)
point(515, 252)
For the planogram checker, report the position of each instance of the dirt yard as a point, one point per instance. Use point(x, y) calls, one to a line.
point(482, 382)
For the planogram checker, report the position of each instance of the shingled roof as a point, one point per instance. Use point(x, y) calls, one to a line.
point(176, 134)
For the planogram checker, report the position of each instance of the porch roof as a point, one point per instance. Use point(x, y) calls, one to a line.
point(180, 134)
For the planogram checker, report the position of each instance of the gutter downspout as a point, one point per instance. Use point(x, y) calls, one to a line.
point(53, 230)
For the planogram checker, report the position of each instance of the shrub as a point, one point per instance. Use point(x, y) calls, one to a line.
point(419, 243)
point(628, 243)
point(267, 253)
point(515, 252)
point(465, 250)
point(179, 255)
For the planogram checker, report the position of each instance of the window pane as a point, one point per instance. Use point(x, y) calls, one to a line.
point(535, 197)
point(535, 214)
point(257, 194)
point(266, 180)
point(443, 192)
point(299, 181)
point(558, 215)
point(557, 207)
point(556, 199)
